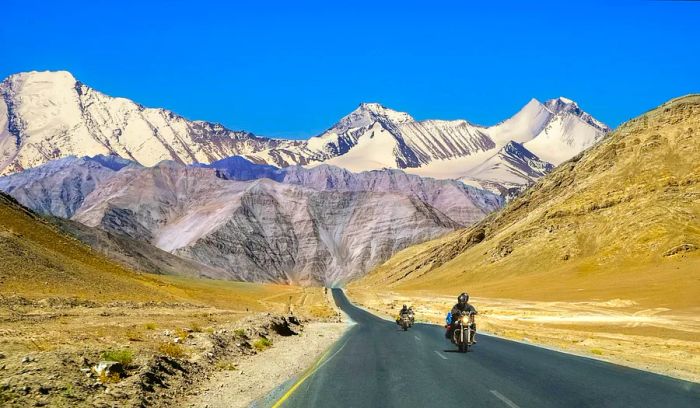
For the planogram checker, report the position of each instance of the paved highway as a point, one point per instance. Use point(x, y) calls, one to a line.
point(376, 364)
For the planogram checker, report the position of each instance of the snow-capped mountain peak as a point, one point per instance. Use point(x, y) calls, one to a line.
point(49, 115)
point(523, 126)
point(562, 105)
point(381, 112)
point(368, 113)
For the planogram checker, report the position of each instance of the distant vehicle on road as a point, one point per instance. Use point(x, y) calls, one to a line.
point(405, 318)
point(405, 322)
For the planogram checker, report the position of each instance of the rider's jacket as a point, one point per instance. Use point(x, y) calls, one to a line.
point(456, 310)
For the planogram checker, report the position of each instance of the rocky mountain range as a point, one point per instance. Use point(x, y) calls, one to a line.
point(50, 115)
point(322, 210)
point(255, 222)
point(59, 187)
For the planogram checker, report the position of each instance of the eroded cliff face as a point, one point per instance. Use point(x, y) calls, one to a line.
point(261, 230)
point(257, 222)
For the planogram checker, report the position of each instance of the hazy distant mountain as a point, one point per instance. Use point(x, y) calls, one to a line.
point(59, 187)
point(463, 204)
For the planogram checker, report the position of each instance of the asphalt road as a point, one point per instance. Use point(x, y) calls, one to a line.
point(376, 364)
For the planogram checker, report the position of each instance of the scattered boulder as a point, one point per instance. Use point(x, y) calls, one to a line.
point(281, 327)
point(681, 249)
point(108, 369)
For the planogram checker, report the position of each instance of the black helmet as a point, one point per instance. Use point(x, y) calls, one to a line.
point(463, 298)
point(404, 306)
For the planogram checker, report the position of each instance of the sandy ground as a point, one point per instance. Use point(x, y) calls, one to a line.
point(256, 376)
point(617, 330)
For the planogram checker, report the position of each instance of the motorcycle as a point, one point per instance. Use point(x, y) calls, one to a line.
point(464, 331)
point(405, 322)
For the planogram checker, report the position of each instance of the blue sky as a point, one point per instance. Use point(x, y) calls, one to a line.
point(292, 68)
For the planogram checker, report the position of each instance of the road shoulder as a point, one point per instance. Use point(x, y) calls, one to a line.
point(258, 376)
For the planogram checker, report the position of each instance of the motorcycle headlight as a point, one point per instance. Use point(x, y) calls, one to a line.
point(465, 320)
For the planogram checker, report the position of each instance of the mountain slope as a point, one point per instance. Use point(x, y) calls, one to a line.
point(509, 171)
point(619, 221)
point(59, 187)
point(463, 204)
point(135, 254)
point(186, 210)
point(262, 230)
point(37, 258)
point(49, 115)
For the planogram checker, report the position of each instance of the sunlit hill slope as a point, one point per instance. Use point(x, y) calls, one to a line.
point(621, 220)
point(38, 260)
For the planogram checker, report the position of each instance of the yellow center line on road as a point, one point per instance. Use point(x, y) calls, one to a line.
point(320, 363)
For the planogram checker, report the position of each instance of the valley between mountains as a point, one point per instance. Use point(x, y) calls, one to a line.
point(183, 250)
point(321, 211)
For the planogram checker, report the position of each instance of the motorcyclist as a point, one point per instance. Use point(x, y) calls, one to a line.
point(404, 311)
point(454, 314)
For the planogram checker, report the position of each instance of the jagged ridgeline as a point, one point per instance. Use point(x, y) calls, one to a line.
point(51, 115)
point(620, 220)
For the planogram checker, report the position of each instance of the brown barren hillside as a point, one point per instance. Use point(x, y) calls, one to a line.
point(621, 220)
point(38, 259)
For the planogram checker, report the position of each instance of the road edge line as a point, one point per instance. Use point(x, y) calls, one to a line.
point(320, 363)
